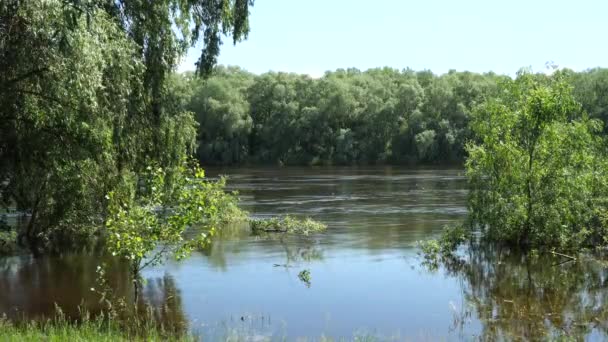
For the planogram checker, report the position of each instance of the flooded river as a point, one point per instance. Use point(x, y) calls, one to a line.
point(366, 277)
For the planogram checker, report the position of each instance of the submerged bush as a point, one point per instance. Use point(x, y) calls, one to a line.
point(431, 251)
point(166, 213)
point(305, 277)
point(286, 224)
point(8, 242)
point(537, 171)
point(435, 250)
point(453, 236)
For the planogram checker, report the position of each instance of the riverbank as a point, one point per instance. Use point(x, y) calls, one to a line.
point(95, 330)
point(98, 331)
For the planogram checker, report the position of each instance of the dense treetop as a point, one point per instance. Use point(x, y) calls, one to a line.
point(350, 116)
point(537, 170)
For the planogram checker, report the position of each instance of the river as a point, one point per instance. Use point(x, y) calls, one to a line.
point(367, 277)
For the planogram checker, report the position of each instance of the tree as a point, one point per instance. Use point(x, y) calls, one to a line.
point(87, 98)
point(163, 213)
point(349, 116)
point(345, 117)
point(590, 88)
point(220, 107)
point(59, 148)
point(537, 167)
point(275, 106)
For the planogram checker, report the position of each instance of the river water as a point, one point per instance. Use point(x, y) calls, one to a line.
point(367, 278)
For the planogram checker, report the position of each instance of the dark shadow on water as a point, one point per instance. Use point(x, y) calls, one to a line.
point(33, 288)
point(531, 297)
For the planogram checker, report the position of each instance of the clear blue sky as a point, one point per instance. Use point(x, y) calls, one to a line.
point(312, 36)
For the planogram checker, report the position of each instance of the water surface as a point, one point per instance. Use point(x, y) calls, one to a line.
point(367, 278)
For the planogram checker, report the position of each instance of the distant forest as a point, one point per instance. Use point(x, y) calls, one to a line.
point(349, 117)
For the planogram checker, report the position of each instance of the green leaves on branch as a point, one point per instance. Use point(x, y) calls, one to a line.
point(286, 224)
point(87, 98)
point(435, 251)
point(537, 169)
point(305, 277)
point(8, 242)
point(166, 212)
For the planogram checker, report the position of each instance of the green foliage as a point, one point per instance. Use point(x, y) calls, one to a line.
point(590, 87)
point(221, 109)
point(345, 117)
point(305, 277)
point(286, 224)
point(350, 116)
point(452, 236)
point(8, 242)
point(425, 143)
point(97, 329)
point(431, 251)
point(87, 97)
point(163, 213)
point(599, 227)
point(537, 169)
point(56, 133)
point(435, 251)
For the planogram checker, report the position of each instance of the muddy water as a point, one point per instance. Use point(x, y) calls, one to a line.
point(366, 276)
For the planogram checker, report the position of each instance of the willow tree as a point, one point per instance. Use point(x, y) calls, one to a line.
point(86, 98)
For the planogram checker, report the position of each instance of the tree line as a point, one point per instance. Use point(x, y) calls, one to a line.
point(348, 116)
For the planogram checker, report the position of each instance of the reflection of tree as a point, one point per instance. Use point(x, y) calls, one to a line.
point(302, 250)
point(297, 252)
point(32, 286)
point(297, 248)
point(530, 298)
point(162, 303)
point(218, 248)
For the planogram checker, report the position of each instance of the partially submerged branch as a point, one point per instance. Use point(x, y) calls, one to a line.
point(286, 225)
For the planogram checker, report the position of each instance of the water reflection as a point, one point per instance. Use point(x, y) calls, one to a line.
point(162, 302)
point(364, 270)
point(521, 297)
point(31, 286)
point(296, 249)
point(34, 288)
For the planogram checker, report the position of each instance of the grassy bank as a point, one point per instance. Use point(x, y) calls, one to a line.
point(96, 330)
point(59, 330)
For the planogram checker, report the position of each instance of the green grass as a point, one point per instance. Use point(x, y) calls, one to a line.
point(59, 330)
point(89, 330)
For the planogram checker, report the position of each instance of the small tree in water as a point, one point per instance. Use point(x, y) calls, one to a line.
point(164, 214)
point(537, 169)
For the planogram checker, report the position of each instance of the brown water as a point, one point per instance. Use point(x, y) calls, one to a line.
point(366, 276)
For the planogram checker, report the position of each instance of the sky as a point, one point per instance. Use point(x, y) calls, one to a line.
point(313, 36)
